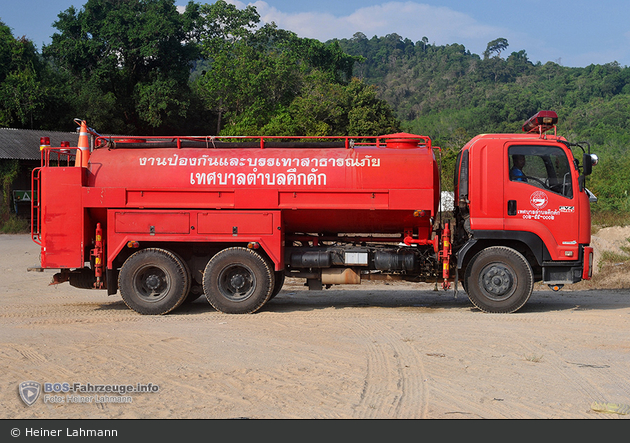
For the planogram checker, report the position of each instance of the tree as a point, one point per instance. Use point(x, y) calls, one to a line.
point(323, 108)
point(247, 78)
point(222, 24)
point(367, 114)
point(252, 77)
point(425, 42)
point(222, 29)
point(496, 47)
point(22, 92)
point(128, 61)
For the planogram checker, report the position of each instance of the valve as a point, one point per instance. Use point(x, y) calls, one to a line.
point(97, 253)
point(445, 255)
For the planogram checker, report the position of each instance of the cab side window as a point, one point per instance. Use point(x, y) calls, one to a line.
point(545, 167)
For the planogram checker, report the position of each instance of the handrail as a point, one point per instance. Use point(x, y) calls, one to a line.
point(35, 207)
point(253, 141)
point(64, 154)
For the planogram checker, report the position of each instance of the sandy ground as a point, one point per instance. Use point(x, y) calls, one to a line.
point(372, 351)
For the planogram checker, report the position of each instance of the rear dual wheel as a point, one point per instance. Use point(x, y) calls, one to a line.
point(154, 281)
point(238, 281)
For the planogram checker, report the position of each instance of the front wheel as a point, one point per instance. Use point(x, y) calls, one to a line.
point(238, 281)
point(499, 280)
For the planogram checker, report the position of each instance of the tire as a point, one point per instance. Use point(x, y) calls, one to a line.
point(195, 290)
point(238, 281)
point(277, 287)
point(189, 292)
point(499, 280)
point(154, 281)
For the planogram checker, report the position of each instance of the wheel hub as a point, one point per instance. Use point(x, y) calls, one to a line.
point(237, 282)
point(152, 282)
point(497, 280)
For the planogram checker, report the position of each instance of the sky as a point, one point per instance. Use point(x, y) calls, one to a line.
point(572, 33)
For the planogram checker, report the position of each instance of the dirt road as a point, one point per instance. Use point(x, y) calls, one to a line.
point(370, 351)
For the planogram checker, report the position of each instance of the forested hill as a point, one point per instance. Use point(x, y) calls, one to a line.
point(450, 94)
point(149, 68)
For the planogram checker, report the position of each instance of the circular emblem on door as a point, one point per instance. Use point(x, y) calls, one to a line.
point(538, 199)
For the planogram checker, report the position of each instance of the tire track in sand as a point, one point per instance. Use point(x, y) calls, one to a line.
point(394, 384)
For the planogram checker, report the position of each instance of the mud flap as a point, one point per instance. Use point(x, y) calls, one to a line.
point(111, 281)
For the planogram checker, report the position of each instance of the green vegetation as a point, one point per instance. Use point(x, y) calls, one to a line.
point(14, 225)
point(612, 258)
point(606, 219)
point(8, 172)
point(451, 95)
point(9, 223)
point(141, 67)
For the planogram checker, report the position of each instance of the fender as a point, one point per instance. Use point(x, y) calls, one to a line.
point(531, 240)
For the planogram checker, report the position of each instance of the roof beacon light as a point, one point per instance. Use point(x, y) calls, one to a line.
point(542, 122)
point(44, 142)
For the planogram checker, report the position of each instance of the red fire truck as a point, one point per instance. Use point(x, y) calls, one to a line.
point(165, 220)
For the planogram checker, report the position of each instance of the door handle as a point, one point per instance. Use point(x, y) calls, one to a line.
point(511, 207)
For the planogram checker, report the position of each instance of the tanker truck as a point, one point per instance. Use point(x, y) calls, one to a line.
point(166, 220)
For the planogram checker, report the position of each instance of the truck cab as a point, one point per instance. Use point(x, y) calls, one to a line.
point(522, 214)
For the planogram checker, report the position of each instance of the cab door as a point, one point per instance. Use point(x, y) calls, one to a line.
point(540, 196)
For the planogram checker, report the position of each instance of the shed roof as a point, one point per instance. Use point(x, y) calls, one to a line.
point(23, 144)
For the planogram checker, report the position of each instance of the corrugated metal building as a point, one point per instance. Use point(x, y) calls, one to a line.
point(23, 145)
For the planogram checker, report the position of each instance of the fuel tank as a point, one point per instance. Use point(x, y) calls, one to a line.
point(323, 186)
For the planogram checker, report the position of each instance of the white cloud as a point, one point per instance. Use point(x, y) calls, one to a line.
point(442, 26)
point(411, 20)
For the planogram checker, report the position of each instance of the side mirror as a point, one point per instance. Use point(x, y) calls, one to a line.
point(588, 161)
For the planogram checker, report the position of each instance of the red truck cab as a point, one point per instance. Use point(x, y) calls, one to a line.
point(523, 215)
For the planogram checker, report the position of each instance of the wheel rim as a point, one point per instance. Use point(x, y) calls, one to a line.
point(151, 283)
point(237, 282)
point(498, 281)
